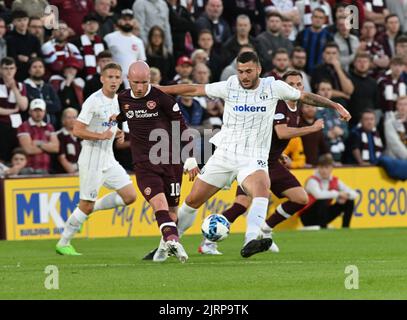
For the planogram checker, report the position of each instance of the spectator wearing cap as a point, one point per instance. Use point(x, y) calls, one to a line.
point(13, 101)
point(37, 88)
point(94, 84)
point(212, 20)
point(90, 44)
point(38, 138)
point(124, 45)
point(151, 13)
point(105, 16)
point(73, 11)
point(183, 69)
point(3, 42)
point(58, 49)
point(69, 86)
point(33, 8)
point(328, 197)
point(36, 28)
point(214, 62)
point(21, 45)
point(157, 54)
point(69, 145)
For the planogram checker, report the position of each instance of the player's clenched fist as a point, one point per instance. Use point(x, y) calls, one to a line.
point(120, 136)
point(318, 124)
point(343, 113)
point(106, 135)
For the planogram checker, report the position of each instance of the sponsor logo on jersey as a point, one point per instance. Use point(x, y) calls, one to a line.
point(130, 114)
point(264, 95)
point(151, 104)
point(147, 191)
point(279, 116)
point(246, 108)
point(262, 164)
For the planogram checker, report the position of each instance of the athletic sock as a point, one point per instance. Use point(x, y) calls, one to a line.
point(283, 212)
point(167, 226)
point(72, 225)
point(255, 218)
point(234, 212)
point(109, 201)
point(186, 218)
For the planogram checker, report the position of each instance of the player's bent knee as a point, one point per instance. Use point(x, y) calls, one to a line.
point(192, 201)
point(86, 207)
point(303, 200)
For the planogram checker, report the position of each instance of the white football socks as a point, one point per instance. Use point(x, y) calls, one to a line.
point(72, 225)
point(186, 218)
point(109, 201)
point(256, 217)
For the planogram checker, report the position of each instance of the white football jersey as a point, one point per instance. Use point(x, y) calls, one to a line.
point(95, 113)
point(248, 115)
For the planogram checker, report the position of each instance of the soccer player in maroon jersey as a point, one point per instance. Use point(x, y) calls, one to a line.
point(148, 111)
point(283, 183)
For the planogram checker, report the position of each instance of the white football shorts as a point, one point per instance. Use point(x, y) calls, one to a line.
point(91, 181)
point(224, 167)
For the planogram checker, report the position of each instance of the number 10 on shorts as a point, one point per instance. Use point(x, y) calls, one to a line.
point(175, 189)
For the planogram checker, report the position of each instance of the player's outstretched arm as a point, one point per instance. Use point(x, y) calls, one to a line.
point(319, 101)
point(80, 130)
point(191, 90)
point(285, 132)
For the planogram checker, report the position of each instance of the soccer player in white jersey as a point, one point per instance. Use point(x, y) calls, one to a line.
point(243, 144)
point(97, 165)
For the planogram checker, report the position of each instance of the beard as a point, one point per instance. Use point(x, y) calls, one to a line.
point(36, 77)
point(125, 27)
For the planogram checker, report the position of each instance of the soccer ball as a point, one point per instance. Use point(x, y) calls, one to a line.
point(215, 227)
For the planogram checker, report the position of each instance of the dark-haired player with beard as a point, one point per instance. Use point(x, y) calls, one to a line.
point(124, 45)
point(243, 144)
point(283, 183)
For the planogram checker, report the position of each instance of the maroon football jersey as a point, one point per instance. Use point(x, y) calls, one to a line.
point(283, 115)
point(156, 110)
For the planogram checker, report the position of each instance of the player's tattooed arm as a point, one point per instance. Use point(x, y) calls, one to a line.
point(190, 90)
point(319, 101)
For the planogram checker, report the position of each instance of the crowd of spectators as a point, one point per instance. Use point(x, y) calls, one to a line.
point(46, 74)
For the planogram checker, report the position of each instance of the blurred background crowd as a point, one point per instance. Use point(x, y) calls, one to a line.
point(46, 74)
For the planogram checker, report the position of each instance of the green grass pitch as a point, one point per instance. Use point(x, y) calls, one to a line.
point(311, 265)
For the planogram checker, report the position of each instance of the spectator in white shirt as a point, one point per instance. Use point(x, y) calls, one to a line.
point(124, 45)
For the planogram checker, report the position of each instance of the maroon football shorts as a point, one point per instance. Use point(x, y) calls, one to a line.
point(281, 180)
point(153, 179)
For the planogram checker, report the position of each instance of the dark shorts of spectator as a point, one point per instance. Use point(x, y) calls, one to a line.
point(162, 178)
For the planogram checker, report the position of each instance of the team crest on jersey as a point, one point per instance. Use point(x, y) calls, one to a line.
point(264, 95)
point(147, 191)
point(130, 114)
point(262, 163)
point(151, 104)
